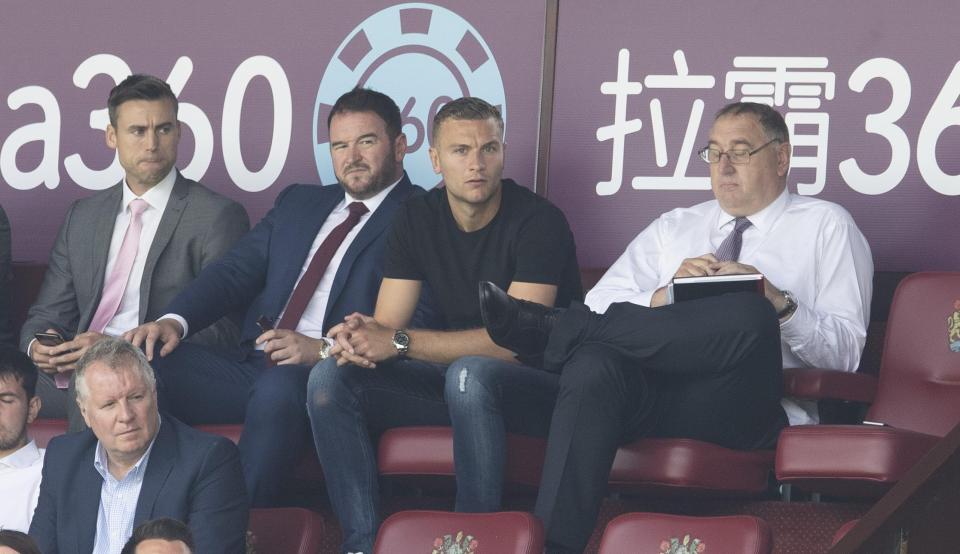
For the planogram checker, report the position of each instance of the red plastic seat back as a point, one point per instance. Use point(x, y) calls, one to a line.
point(286, 530)
point(228, 431)
point(446, 532)
point(662, 533)
point(42, 430)
point(919, 385)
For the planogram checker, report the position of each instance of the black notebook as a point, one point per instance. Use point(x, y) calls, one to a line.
point(692, 288)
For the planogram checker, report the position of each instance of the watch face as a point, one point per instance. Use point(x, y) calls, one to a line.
point(401, 340)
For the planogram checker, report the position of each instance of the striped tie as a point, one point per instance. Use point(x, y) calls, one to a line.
point(729, 250)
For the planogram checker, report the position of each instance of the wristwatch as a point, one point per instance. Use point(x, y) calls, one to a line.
point(325, 348)
point(401, 341)
point(790, 307)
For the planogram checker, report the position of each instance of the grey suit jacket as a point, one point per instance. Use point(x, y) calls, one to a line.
point(197, 227)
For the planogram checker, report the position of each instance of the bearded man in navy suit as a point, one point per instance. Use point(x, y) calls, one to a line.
point(266, 387)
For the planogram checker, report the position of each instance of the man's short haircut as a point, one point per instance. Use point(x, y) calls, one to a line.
point(163, 528)
point(139, 87)
point(20, 542)
point(115, 353)
point(18, 366)
point(368, 100)
point(469, 108)
point(770, 119)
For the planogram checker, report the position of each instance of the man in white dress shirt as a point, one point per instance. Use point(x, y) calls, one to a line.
point(707, 369)
point(816, 262)
point(20, 460)
point(125, 252)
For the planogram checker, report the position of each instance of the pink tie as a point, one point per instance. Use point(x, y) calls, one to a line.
point(117, 282)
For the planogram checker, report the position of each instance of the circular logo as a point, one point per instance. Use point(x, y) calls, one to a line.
point(420, 55)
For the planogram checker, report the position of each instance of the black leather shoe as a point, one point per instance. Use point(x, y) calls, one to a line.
point(518, 325)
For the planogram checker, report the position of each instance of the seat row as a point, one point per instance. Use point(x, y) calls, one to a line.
point(915, 401)
point(299, 531)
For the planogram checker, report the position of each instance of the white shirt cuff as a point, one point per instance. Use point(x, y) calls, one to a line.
point(178, 319)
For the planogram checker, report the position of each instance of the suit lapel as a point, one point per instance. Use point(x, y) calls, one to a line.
point(106, 218)
point(162, 457)
point(168, 224)
point(86, 489)
point(379, 222)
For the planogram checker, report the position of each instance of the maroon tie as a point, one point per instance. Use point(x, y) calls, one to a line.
point(318, 265)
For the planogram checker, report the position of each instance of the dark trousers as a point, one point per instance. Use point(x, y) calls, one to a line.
point(198, 386)
point(709, 370)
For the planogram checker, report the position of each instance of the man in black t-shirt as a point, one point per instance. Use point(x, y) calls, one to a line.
point(380, 374)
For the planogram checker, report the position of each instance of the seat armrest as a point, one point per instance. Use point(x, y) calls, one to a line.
point(813, 383)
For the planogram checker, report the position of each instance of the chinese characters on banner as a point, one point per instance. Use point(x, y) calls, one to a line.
point(801, 88)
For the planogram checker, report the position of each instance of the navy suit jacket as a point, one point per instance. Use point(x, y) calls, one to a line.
point(191, 476)
point(262, 268)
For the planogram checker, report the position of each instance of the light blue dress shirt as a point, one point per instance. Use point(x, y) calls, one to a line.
point(118, 502)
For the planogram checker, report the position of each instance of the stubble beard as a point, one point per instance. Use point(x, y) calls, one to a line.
point(14, 442)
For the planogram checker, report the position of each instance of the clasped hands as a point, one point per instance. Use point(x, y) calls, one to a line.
point(706, 265)
point(362, 340)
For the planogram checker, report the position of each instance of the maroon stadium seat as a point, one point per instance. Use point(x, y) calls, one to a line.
point(443, 532)
point(648, 465)
point(917, 398)
point(645, 532)
point(42, 430)
point(286, 530)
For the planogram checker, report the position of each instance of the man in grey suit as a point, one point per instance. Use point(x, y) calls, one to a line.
point(124, 253)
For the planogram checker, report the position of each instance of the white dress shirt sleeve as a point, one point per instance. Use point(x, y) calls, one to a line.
point(829, 330)
point(635, 276)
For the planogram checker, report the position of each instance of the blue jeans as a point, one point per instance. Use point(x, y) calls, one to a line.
point(346, 404)
point(487, 398)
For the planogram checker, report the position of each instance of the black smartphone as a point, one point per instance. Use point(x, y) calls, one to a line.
point(264, 323)
point(49, 339)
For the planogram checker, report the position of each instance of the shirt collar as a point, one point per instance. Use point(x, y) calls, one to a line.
point(371, 203)
point(158, 195)
point(100, 458)
point(25, 456)
point(764, 219)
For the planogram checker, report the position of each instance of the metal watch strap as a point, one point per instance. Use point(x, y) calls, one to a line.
point(401, 341)
point(324, 349)
point(790, 307)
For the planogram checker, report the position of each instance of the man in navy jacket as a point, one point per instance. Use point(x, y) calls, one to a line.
point(266, 388)
point(132, 466)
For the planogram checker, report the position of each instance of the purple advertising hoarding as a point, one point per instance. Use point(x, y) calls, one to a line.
point(869, 90)
point(255, 81)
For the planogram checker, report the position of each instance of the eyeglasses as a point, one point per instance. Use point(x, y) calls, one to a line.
point(735, 155)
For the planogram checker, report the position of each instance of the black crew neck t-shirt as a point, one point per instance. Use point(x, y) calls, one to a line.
point(528, 240)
